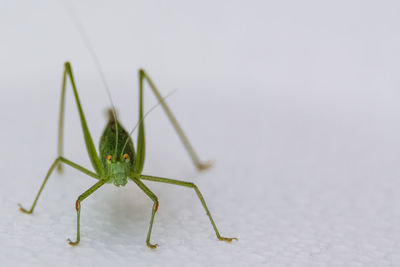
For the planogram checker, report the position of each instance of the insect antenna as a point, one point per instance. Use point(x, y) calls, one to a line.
point(144, 116)
point(85, 37)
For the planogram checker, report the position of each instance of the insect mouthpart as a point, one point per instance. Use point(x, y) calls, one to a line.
point(118, 174)
point(120, 181)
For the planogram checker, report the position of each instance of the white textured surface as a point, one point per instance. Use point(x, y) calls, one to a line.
point(297, 104)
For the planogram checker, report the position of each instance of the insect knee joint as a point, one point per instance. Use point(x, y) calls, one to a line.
point(78, 205)
point(155, 207)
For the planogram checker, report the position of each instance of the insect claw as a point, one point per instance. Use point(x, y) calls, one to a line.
point(24, 210)
point(152, 246)
point(228, 239)
point(72, 243)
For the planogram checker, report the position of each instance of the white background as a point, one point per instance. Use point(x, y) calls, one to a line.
point(295, 102)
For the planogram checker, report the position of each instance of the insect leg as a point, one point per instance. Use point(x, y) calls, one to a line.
point(153, 212)
point(199, 195)
point(61, 122)
point(141, 139)
point(78, 209)
point(59, 160)
point(94, 158)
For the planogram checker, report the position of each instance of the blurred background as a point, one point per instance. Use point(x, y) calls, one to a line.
point(295, 103)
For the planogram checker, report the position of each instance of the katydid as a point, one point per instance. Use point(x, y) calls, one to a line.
point(117, 161)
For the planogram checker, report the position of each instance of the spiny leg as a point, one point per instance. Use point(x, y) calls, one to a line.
point(78, 209)
point(199, 195)
point(59, 160)
point(141, 138)
point(94, 158)
point(153, 212)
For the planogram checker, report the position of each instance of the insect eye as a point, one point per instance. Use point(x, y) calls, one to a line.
point(109, 157)
point(126, 157)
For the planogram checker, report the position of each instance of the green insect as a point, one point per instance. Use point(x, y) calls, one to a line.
point(118, 162)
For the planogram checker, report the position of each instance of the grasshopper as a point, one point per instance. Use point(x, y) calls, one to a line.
point(118, 161)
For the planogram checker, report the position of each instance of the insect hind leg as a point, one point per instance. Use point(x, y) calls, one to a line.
point(141, 137)
point(94, 158)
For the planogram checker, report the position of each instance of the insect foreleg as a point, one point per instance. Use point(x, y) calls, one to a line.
point(153, 211)
point(59, 160)
point(78, 209)
point(199, 195)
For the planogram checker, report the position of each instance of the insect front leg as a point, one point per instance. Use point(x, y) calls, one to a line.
point(153, 211)
point(199, 195)
point(78, 209)
point(59, 160)
point(141, 138)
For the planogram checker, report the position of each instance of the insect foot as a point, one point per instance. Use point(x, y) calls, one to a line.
point(72, 243)
point(24, 210)
point(204, 166)
point(152, 246)
point(227, 239)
